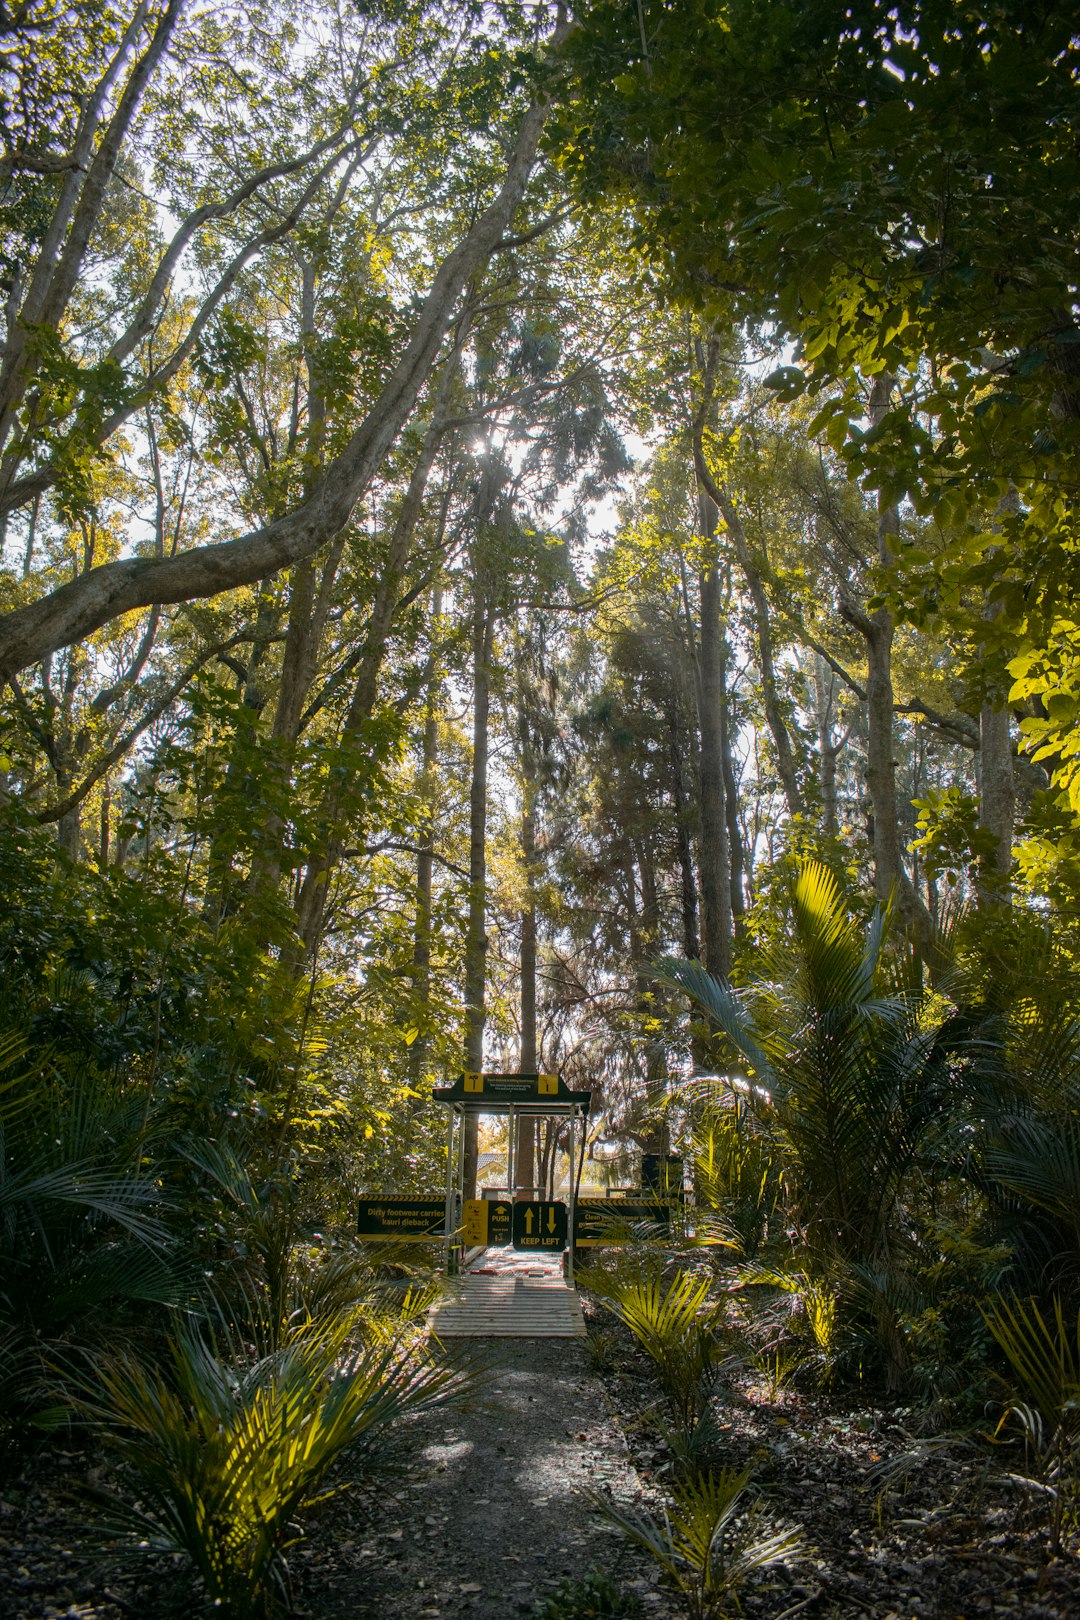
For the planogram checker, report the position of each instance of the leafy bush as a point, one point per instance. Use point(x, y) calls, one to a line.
point(82, 1231)
point(224, 1455)
point(1045, 1360)
point(671, 1321)
point(699, 1543)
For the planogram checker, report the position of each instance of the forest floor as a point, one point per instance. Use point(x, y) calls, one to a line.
point(485, 1515)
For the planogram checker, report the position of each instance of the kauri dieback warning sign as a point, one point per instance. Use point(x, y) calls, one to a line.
point(401, 1220)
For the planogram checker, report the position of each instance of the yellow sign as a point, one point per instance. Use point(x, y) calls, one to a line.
point(548, 1086)
point(474, 1082)
point(474, 1222)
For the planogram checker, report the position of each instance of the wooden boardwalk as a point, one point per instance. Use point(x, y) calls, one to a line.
point(507, 1296)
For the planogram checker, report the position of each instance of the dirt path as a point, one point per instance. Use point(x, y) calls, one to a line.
point(491, 1517)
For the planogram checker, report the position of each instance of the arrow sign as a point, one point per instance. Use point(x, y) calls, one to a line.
point(540, 1225)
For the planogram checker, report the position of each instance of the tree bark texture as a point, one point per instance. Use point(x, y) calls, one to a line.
point(891, 880)
point(529, 1057)
point(483, 635)
point(824, 688)
point(333, 818)
point(688, 895)
point(425, 861)
point(997, 801)
point(715, 862)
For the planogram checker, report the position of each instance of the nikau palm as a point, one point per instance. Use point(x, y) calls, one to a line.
point(844, 1080)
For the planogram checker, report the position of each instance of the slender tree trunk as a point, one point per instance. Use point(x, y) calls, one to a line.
point(997, 801)
point(483, 633)
point(827, 750)
point(684, 848)
point(237, 787)
point(755, 584)
point(341, 795)
point(731, 810)
point(106, 811)
point(306, 619)
point(529, 1059)
point(997, 786)
point(877, 628)
point(880, 764)
point(715, 863)
point(425, 860)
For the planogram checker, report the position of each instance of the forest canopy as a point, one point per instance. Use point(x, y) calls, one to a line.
point(538, 537)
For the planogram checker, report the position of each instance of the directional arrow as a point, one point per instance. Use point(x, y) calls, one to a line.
point(551, 1217)
point(528, 1222)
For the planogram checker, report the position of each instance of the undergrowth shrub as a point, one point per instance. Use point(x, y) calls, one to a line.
point(705, 1541)
point(1044, 1358)
point(671, 1316)
point(223, 1453)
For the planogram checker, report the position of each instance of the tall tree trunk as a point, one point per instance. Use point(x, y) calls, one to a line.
point(236, 789)
point(720, 497)
point(827, 750)
point(890, 877)
point(997, 787)
point(715, 864)
point(684, 848)
point(731, 810)
point(529, 1058)
point(307, 613)
point(341, 795)
point(997, 801)
point(483, 634)
point(425, 860)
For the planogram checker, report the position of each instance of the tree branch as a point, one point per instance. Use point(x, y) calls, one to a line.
point(78, 608)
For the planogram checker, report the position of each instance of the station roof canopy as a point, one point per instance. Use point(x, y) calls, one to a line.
point(541, 1094)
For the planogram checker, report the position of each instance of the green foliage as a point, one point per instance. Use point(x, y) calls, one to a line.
point(671, 1317)
point(890, 186)
point(700, 1544)
point(225, 1453)
point(737, 1177)
point(84, 1233)
point(950, 840)
point(846, 1081)
point(594, 1597)
point(1044, 1357)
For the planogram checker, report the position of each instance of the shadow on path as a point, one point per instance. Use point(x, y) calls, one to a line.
point(491, 1518)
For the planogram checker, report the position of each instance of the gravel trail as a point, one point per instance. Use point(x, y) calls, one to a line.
point(491, 1519)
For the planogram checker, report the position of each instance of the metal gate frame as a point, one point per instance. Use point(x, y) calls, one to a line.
point(517, 1096)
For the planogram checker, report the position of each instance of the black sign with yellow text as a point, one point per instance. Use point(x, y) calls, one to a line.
point(614, 1220)
point(540, 1224)
point(401, 1220)
point(495, 1093)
